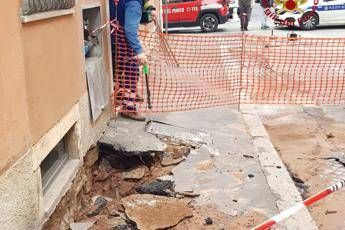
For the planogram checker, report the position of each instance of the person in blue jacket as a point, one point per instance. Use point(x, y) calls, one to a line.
point(129, 53)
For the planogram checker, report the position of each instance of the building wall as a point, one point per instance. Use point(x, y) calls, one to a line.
point(43, 95)
point(14, 123)
point(54, 75)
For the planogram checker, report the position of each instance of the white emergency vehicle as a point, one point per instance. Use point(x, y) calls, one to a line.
point(308, 15)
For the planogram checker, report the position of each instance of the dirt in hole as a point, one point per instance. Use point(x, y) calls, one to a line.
point(304, 143)
point(103, 201)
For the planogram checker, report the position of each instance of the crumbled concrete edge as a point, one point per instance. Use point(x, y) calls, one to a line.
point(277, 175)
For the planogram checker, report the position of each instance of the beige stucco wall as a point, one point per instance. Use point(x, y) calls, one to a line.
point(14, 122)
point(41, 80)
point(53, 66)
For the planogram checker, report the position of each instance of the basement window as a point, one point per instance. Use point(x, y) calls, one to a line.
point(53, 163)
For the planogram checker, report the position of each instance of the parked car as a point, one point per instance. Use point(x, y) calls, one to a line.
point(327, 12)
point(207, 14)
point(233, 4)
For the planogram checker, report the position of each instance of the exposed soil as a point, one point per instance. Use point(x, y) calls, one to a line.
point(106, 200)
point(304, 141)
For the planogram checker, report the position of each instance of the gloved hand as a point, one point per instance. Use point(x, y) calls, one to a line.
point(142, 58)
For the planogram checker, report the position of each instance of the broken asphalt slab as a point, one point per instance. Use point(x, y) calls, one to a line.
point(130, 138)
point(175, 133)
point(155, 212)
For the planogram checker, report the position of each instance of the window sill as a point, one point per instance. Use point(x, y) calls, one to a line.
point(45, 15)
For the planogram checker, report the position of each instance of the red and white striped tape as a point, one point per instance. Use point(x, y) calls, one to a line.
point(311, 200)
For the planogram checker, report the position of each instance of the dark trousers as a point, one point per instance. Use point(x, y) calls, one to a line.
point(245, 13)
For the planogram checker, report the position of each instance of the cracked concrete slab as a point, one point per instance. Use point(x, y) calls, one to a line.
point(227, 173)
point(130, 138)
point(188, 136)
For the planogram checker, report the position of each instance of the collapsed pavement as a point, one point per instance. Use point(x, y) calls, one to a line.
point(187, 170)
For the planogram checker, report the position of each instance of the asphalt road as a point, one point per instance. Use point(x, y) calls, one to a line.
point(233, 26)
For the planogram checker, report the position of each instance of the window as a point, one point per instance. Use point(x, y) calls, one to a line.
point(98, 87)
point(30, 7)
point(52, 164)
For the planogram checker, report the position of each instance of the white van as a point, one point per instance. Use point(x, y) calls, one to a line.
point(327, 12)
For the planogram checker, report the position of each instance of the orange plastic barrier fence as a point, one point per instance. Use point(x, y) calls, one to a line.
point(197, 71)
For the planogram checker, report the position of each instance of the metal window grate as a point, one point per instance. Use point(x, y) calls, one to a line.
point(36, 6)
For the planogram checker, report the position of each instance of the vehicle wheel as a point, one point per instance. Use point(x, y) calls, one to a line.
point(309, 21)
point(209, 23)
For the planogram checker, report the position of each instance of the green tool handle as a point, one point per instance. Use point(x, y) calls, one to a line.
point(146, 69)
point(146, 72)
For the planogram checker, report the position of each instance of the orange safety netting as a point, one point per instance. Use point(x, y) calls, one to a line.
point(197, 71)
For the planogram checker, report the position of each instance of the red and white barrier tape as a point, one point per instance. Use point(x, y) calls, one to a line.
point(311, 200)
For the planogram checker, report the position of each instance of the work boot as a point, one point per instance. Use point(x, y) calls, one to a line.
point(133, 116)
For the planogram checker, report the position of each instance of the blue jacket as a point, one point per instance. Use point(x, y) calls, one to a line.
point(129, 14)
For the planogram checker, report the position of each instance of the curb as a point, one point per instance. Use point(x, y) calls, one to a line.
point(277, 175)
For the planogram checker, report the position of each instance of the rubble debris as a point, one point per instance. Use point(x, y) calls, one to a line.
point(157, 187)
point(82, 225)
point(114, 209)
point(188, 194)
point(208, 221)
point(155, 212)
point(251, 176)
point(104, 222)
point(135, 173)
point(170, 161)
point(167, 177)
point(99, 199)
point(97, 207)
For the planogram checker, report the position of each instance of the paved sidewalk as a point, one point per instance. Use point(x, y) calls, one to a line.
point(232, 167)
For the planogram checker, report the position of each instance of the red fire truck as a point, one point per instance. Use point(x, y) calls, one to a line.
point(207, 14)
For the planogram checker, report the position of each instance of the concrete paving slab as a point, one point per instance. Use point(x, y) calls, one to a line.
point(226, 173)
